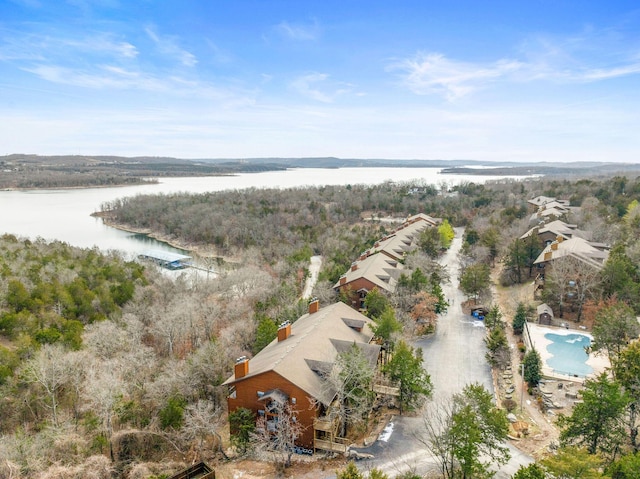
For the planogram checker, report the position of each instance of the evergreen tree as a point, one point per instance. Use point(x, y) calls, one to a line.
point(516, 259)
point(475, 280)
point(349, 472)
point(493, 319)
point(386, 325)
point(442, 305)
point(429, 242)
point(574, 463)
point(597, 423)
point(627, 467)
point(266, 332)
point(376, 303)
point(242, 425)
point(532, 367)
point(498, 347)
point(532, 471)
point(405, 368)
point(626, 369)
point(466, 434)
point(519, 319)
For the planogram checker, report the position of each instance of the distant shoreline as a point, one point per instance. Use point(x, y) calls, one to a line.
point(189, 248)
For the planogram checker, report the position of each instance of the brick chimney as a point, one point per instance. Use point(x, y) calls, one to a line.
point(314, 305)
point(343, 280)
point(354, 266)
point(554, 246)
point(241, 368)
point(284, 331)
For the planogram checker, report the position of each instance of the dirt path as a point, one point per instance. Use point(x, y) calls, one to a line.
point(314, 269)
point(542, 430)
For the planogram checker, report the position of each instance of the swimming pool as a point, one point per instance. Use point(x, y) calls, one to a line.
point(568, 355)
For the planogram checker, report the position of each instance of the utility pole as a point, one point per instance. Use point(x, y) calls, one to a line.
point(522, 388)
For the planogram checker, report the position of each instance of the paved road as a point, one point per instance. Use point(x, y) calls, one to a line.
point(454, 357)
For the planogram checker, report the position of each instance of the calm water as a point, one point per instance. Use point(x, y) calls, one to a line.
point(65, 214)
point(569, 356)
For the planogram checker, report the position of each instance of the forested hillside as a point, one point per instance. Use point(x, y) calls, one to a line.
point(113, 370)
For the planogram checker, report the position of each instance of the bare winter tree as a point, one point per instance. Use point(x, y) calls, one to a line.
point(351, 379)
point(323, 290)
point(572, 277)
point(49, 370)
point(201, 421)
point(587, 284)
point(102, 391)
point(170, 326)
point(277, 439)
point(437, 423)
point(557, 283)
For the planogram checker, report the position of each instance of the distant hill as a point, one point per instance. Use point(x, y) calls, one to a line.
point(124, 169)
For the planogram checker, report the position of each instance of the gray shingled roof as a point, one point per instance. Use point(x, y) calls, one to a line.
point(315, 341)
point(578, 248)
point(556, 227)
point(377, 268)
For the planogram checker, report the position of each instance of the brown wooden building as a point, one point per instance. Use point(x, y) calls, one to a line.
point(291, 369)
point(367, 273)
point(380, 266)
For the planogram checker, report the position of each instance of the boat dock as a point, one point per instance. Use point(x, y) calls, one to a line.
point(166, 259)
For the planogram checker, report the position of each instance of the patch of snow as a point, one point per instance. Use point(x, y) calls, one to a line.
point(385, 435)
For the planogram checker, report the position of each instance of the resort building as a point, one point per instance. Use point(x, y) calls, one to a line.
point(369, 272)
point(293, 368)
point(549, 232)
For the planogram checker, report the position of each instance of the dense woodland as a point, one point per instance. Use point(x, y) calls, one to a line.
point(108, 368)
point(33, 171)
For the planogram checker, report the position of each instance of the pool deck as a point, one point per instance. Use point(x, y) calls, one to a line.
point(598, 362)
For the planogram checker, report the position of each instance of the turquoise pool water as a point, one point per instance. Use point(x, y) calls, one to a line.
point(568, 354)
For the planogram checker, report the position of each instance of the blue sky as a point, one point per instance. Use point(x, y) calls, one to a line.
point(531, 80)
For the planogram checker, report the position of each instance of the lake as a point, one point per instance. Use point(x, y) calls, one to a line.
point(65, 215)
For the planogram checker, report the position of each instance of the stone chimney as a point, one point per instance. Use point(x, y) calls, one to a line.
point(241, 368)
point(554, 246)
point(284, 331)
point(314, 305)
point(559, 239)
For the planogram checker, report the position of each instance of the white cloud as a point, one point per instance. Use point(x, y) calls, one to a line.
point(308, 85)
point(297, 31)
point(597, 74)
point(434, 73)
point(168, 46)
point(127, 50)
point(218, 54)
point(38, 46)
point(590, 56)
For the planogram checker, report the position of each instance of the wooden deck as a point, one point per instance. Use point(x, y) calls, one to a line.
point(332, 446)
point(197, 471)
point(387, 390)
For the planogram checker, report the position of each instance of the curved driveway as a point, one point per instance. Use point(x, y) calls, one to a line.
point(454, 357)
